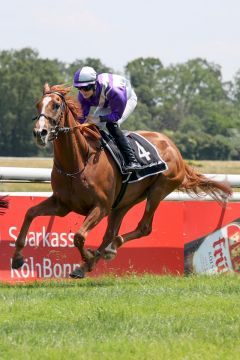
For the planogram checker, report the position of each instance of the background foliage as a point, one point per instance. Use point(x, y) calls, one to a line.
point(189, 102)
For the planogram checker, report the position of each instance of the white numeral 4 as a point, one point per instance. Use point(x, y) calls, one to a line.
point(142, 152)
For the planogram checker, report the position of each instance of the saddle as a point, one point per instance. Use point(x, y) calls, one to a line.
point(145, 152)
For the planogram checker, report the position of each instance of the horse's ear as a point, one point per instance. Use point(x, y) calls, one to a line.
point(46, 88)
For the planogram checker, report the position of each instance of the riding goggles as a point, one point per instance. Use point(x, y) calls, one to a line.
point(86, 88)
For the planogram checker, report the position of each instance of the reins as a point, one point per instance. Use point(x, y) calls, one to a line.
point(57, 129)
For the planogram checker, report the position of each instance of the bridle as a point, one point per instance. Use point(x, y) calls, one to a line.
point(56, 129)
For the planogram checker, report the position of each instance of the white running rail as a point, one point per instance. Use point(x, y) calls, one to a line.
point(39, 175)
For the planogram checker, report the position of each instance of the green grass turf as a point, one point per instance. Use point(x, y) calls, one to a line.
point(148, 317)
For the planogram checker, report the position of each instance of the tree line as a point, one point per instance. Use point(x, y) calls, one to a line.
point(189, 102)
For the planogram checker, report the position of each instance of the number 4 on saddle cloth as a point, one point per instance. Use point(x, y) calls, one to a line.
point(146, 154)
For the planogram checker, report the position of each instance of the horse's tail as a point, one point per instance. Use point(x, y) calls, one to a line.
point(3, 204)
point(201, 185)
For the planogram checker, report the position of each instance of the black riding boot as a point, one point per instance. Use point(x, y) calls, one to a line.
point(123, 144)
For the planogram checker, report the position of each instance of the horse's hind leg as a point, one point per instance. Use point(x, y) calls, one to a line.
point(48, 207)
point(112, 241)
point(114, 222)
point(155, 194)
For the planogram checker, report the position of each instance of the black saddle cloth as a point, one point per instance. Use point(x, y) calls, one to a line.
point(145, 152)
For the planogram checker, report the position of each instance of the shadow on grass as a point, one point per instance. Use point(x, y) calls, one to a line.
point(101, 281)
point(131, 278)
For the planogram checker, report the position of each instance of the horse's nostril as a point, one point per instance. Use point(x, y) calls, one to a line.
point(44, 132)
point(40, 133)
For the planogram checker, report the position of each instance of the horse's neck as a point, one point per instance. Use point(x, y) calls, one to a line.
point(70, 149)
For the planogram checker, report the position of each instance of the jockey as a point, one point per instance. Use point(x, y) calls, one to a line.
point(114, 99)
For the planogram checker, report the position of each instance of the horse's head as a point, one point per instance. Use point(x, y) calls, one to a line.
point(50, 108)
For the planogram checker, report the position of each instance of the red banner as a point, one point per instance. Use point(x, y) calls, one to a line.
point(50, 253)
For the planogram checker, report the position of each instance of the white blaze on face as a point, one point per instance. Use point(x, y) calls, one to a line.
point(45, 102)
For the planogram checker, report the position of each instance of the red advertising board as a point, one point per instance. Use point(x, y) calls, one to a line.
point(50, 253)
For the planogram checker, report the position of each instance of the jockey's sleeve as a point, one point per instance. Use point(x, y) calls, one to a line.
point(117, 100)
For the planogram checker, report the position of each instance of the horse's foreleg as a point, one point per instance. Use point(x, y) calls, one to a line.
point(114, 223)
point(93, 218)
point(48, 207)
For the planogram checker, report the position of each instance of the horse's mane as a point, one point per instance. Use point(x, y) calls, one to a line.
point(72, 102)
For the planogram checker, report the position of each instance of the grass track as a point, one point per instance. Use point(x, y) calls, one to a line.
point(149, 317)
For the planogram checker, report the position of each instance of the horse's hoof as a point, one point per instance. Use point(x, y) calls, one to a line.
point(109, 254)
point(17, 263)
point(77, 274)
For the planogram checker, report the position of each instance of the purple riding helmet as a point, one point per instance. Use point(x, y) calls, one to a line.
point(84, 76)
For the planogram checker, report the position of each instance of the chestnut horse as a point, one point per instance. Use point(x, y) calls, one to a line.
point(85, 179)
